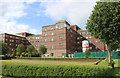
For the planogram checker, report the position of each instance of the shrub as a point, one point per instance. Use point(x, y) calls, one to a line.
point(18, 53)
point(24, 69)
point(26, 54)
point(83, 58)
point(87, 53)
point(22, 54)
point(13, 54)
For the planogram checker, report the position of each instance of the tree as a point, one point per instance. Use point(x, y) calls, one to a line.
point(4, 48)
point(87, 53)
point(13, 54)
point(104, 23)
point(20, 48)
point(30, 48)
point(42, 49)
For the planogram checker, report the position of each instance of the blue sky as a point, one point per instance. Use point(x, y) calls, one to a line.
point(31, 15)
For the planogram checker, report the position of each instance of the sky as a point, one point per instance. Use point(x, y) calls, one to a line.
point(30, 15)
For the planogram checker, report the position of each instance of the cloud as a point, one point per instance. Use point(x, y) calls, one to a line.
point(11, 9)
point(74, 10)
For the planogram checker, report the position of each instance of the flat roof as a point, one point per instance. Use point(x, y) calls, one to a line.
point(34, 35)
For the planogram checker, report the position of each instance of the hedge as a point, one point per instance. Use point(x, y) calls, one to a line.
point(83, 58)
point(34, 70)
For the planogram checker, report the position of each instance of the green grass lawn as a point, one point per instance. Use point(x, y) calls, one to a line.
point(69, 68)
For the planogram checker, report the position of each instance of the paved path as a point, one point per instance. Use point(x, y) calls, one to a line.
point(59, 60)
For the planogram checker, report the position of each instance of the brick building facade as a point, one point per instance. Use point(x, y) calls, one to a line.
point(59, 39)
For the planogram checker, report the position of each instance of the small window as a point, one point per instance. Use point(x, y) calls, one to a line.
point(45, 29)
point(52, 34)
point(86, 32)
point(96, 48)
point(32, 42)
point(45, 40)
point(81, 33)
point(86, 37)
point(90, 48)
point(52, 54)
point(51, 47)
point(60, 36)
point(52, 39)
point(60, 43)
point(78, 38)
point(81, 37)
point(45, 34)
point(78, 42)
point(90, 37)
point(90, 41)
point(51, 28)
point(6, 39)
point(6, 35)
point(95, 41)
point(78, 48)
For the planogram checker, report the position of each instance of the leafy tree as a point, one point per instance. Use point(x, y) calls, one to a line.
point(18, 54)
point(104, 23)
point(13, 54)
point(20, 48)
point(30, 48)
point(87, 53)
point(42, 49)
point(4, 48)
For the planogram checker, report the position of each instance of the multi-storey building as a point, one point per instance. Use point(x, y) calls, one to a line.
point(59, 39)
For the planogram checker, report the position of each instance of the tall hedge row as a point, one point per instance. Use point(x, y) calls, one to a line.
point(82, 58)
point(25, 70)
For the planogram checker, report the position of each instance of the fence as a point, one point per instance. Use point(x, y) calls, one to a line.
point(115, 54)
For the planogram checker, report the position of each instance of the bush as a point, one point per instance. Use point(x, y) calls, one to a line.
point(13, 54)
point(83, 58)
point(22, 54)
point(18, 53)
point(24, 70)
point(87, 53)
point(26, 54)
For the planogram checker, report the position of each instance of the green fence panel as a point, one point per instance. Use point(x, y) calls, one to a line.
point(115, 54)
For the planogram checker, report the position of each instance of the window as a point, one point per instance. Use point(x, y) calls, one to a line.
point(11, 37)
point(37, 41)
point(60, 36)
point(52, 34)
point(81, 37)
point(71, 36)
point(2, 35)
point(52, 54)
point(78, 42)
point(36, 45)
point(45, 29)
point(45, 40)
point(16, 44)
point(37, 38)
point(90, 41)
point(45, 34)
point(51, 28)
point(52, 39)
point(74, 42)
point(95, 41)
point(78, 48)
point(31, 38)
point(10, 44)
point(86, 32)
point(90, 37)
point(51, 47)
point(78, 38)
point(90, 48)
point(31, 41)
point(96, 48)
point(81, 33)
point(6, 39)
point(6, 43)
point(17, 37)
point(60, 43)
point(6, 35)
point(86, 37)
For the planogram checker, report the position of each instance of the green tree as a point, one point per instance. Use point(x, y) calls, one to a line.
point(4, 48)
point(13, 54)
point(42, 49)
point(87, 53)
point(104, 23)
point(20, 48)
point(30, 48)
